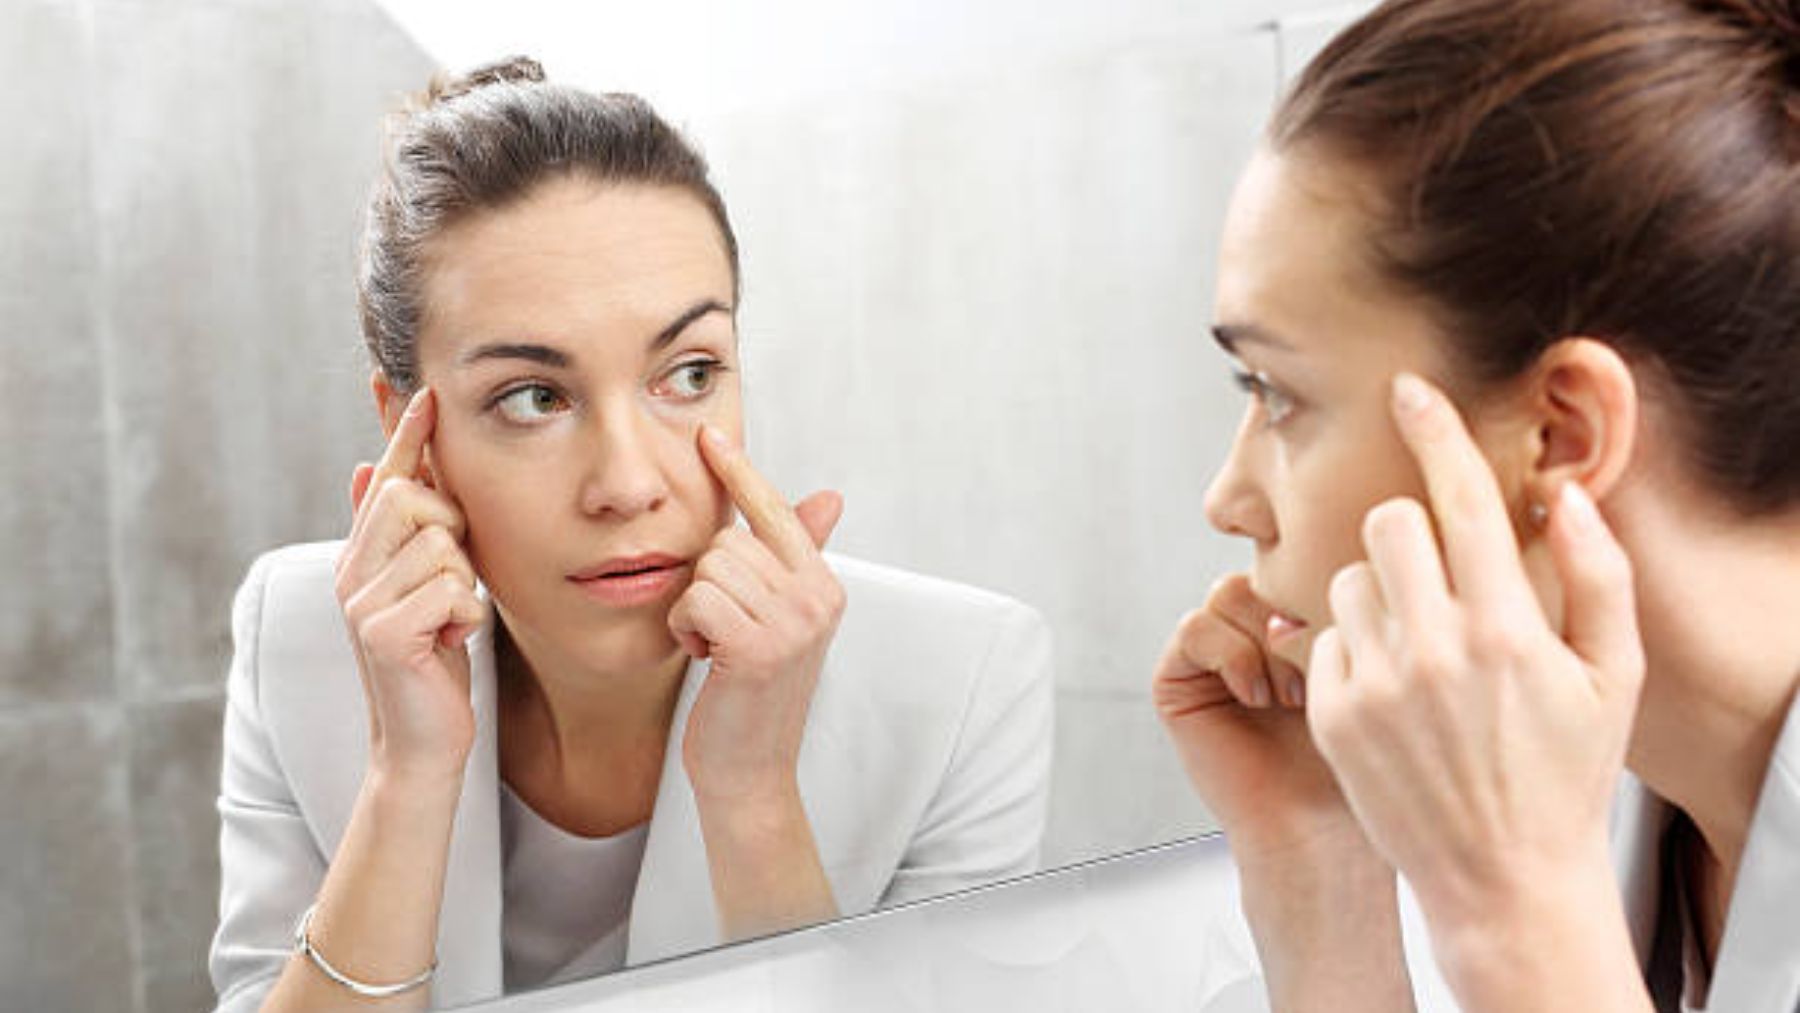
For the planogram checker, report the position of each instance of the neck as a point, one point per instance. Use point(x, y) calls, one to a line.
point(1716, 601)
point(583, 745)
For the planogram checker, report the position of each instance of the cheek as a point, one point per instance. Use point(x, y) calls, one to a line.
point(1329, 495)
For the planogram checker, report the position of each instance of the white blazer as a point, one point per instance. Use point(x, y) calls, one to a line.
point(1757, 968)
point(924, 769)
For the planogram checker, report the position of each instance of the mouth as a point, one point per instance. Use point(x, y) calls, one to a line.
point(626, 581)
point(1282, 627)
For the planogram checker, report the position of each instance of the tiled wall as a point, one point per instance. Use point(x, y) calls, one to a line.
point(180, 387)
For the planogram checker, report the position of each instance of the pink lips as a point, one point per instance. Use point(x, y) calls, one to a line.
point(1281, 627)
point(625, 581)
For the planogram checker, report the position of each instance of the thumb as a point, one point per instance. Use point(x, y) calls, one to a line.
point(1600, 610)
point(819, 514)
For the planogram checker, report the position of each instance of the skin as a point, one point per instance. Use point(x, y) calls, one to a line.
point(580, 405)
point(1474, 680)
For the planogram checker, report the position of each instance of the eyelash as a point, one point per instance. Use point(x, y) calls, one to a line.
point(1276, 403)
point(712, 367)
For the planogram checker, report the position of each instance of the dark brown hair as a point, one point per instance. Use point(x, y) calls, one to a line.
point(481, 142)
point(1617, 169)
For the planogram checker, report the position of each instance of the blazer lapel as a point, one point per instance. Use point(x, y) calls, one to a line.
point(470, 966)
point(672, 908)
point(1758, 966)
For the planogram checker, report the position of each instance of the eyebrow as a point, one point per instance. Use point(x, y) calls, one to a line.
point(1229, 336)
point(555, 358)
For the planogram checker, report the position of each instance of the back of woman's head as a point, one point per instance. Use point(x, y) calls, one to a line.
point(481, 142)
point(1627, 170)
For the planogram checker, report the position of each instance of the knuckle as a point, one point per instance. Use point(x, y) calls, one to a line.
point(1491, 641)
point(1423, 659)
point(438, 540)
point(1194, 623)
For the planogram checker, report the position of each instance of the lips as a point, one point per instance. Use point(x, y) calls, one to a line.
point(626, 581)
point(1282, 626)
point(620, 566)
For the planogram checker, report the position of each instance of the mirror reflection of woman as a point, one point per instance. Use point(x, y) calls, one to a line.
point(604, 723)
point(1515, 288)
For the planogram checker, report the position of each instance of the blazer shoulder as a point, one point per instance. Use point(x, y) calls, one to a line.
point(292, 656)
point(906, 601)
point(906, 637)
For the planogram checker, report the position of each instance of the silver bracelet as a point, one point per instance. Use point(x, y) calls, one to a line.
point(303, 944)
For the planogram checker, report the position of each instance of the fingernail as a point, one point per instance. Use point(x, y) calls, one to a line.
point(1259, 693)
point(1297, 691)
point(1580, 506)
point(713, 436)
point(1410, 394)
point(417, 404)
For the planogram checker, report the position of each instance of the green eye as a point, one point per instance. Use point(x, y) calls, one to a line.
point(694, 379)
point(530, 403)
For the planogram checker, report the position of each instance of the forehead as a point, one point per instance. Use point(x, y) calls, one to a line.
point(573, 257)
point(1295, 261)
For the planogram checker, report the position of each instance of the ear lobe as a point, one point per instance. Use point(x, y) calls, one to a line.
point(1587, 397)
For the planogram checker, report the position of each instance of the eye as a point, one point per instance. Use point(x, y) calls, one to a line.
point(691, 380)
point(1276, 404)
point(529, 403)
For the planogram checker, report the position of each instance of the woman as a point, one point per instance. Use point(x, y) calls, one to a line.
point(1515, 287)
point(603, 723)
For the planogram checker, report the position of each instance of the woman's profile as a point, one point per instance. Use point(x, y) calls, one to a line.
point(1514, 286)
point(548, 710)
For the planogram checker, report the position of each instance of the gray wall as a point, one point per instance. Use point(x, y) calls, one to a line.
point(180, 387)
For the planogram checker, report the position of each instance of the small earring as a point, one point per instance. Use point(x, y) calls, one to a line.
point(1537, 514)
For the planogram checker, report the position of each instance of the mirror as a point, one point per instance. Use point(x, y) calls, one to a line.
point(976, 250)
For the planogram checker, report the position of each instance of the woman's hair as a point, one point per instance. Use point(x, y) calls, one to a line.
point(481, 142)
point(1617, 169)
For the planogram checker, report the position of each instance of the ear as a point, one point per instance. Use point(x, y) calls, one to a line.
point(389, 404)
point(1584, 411)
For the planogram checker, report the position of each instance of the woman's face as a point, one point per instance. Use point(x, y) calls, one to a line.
point(576, 341)
point(1317, 338)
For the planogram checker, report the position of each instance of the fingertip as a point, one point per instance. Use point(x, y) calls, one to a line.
point(713, 439)
point(1411, 395)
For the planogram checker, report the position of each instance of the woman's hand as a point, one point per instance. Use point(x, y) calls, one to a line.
point(1243, 741)
point(408, 594)
point(763, 606)
point(1477, 745)
point(1320, 900)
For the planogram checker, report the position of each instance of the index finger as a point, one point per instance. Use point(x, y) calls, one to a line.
point(1480, 550)
point(406, 448)
point(771, 518)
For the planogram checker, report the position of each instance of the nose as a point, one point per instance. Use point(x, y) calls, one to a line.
point(625, 475)
point(1235, 501)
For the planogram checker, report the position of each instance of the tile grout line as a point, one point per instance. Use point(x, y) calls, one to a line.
point(111, 428)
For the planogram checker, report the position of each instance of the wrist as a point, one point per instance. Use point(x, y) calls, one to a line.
point(412, 792)
point(750, 818)
point(1565, 921)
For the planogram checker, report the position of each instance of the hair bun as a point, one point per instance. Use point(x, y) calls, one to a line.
point(506, 71)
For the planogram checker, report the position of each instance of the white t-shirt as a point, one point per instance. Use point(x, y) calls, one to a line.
point(566, 899)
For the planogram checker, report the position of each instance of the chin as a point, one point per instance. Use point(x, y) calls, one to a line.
point(637, 641)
